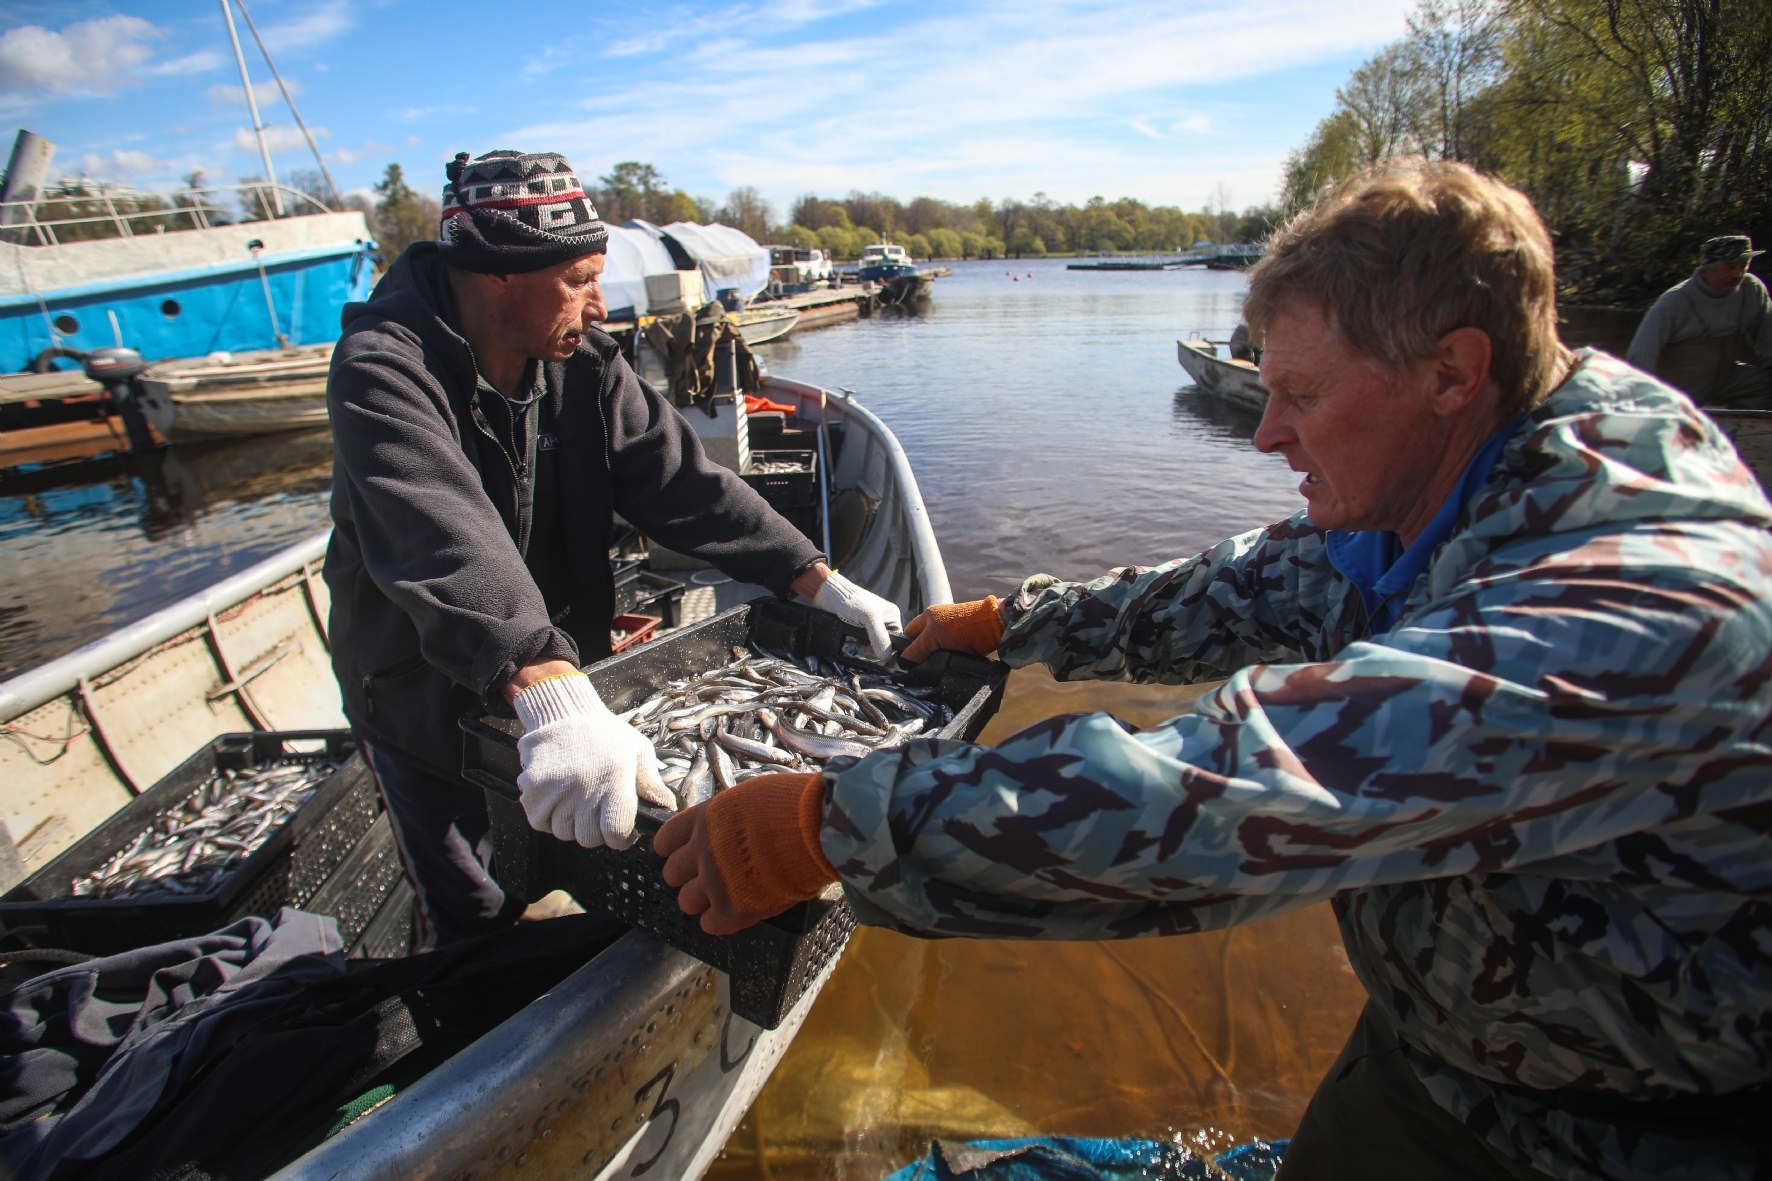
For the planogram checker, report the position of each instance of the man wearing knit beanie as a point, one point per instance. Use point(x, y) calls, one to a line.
point(487, 433)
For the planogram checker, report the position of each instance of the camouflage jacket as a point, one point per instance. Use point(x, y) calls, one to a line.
point(1540, 801)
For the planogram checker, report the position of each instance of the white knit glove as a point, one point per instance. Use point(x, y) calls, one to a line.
point(584, 771)
point(853, 605)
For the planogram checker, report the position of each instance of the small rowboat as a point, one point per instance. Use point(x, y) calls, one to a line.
point(246, 394)
point(1229, 378)
point(768, 322)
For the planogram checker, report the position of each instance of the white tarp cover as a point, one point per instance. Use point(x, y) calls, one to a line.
point(633, 254)
point(728, 257)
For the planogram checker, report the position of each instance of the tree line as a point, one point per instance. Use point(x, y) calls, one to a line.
point(399, 215)
point(931, 228)
point(1638, 128)
point(926, 227)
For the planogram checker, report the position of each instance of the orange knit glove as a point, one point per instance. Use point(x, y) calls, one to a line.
point(750, 852)
point(975, 627)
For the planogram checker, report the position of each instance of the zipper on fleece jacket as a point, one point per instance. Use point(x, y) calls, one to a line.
point(522, 472)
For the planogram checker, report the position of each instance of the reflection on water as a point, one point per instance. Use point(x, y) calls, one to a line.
point(88, 546)
point(1609, 329)
point(1211, 1039)
point(1042, 419)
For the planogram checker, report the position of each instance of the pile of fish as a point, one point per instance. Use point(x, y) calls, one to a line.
point(775, 467)
point(189, 849)
point(764, 713)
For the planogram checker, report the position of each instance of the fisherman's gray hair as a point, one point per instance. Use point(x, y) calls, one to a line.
point(1406, 252)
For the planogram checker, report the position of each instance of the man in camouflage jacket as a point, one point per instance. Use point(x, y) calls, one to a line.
point(1531, 770)
point(1539, 800)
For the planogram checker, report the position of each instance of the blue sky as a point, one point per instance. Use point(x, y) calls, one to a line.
point(1161, 101)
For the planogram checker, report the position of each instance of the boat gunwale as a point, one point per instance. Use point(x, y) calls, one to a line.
point(932, 574)
point(39, 686)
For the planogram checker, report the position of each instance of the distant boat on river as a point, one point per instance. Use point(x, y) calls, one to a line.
point(883, 261)
point(1230, 378)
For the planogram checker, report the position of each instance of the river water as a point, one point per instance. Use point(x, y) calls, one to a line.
point(1051, 429)
point(1042, 408)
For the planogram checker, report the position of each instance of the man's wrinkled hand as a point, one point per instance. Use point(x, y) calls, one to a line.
point(975, 628)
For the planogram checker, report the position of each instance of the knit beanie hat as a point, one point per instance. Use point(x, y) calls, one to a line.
point(508, 213)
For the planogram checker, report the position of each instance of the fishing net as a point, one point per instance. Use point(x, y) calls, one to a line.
point(1210, 1040)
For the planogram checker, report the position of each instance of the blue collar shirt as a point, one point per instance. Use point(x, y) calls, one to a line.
point(1377, 563)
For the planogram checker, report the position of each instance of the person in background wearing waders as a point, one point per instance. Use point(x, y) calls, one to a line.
point(1711, 334)
point(486, 432)
point(1500, 692)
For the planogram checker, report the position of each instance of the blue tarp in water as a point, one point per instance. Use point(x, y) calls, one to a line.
point(1068, 1158)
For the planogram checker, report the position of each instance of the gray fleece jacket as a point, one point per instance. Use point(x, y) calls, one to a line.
point(434, 605)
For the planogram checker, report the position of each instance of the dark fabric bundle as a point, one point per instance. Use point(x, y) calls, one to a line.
point(284, 1075)
point(508, 213)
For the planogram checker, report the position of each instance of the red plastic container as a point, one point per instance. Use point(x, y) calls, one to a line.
point(639, 629)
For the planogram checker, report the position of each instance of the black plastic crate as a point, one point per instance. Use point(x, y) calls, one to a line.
point(647, 593)
point(625, 572)
point(662, 597)
point(354, 892)
point(389, 934)
point(786, 490)
point(290, 868)
point(771, 964)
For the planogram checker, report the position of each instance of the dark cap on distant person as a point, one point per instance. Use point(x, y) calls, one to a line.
point(1728, 248)
point(509, 213)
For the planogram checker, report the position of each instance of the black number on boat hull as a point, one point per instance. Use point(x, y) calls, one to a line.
point(660, 1105)
point(728, 1065)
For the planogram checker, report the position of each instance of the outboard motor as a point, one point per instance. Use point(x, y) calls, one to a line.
point(117, 368)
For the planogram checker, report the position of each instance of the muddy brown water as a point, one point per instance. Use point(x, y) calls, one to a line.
point(1051, 429)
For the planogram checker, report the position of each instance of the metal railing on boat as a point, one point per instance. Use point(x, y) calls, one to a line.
point(192, 206)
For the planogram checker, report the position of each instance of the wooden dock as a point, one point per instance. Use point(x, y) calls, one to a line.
point(818, 309)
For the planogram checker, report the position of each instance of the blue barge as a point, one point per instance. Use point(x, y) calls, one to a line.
point(182, 292)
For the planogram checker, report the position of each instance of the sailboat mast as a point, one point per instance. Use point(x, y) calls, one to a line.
point(258, 126)
point(306, 134)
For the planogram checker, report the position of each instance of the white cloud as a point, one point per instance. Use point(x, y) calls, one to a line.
point(1031, 94)
point(412, 114)
point(201, 62)
point(277, 137)
point(265, 93)
point(314, 27)
point(770, 16)
point(88, 57)
point(1186, 126)
point(120, 164)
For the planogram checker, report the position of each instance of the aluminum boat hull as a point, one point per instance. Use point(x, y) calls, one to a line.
point(635, 1065)
point(1232, 380)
